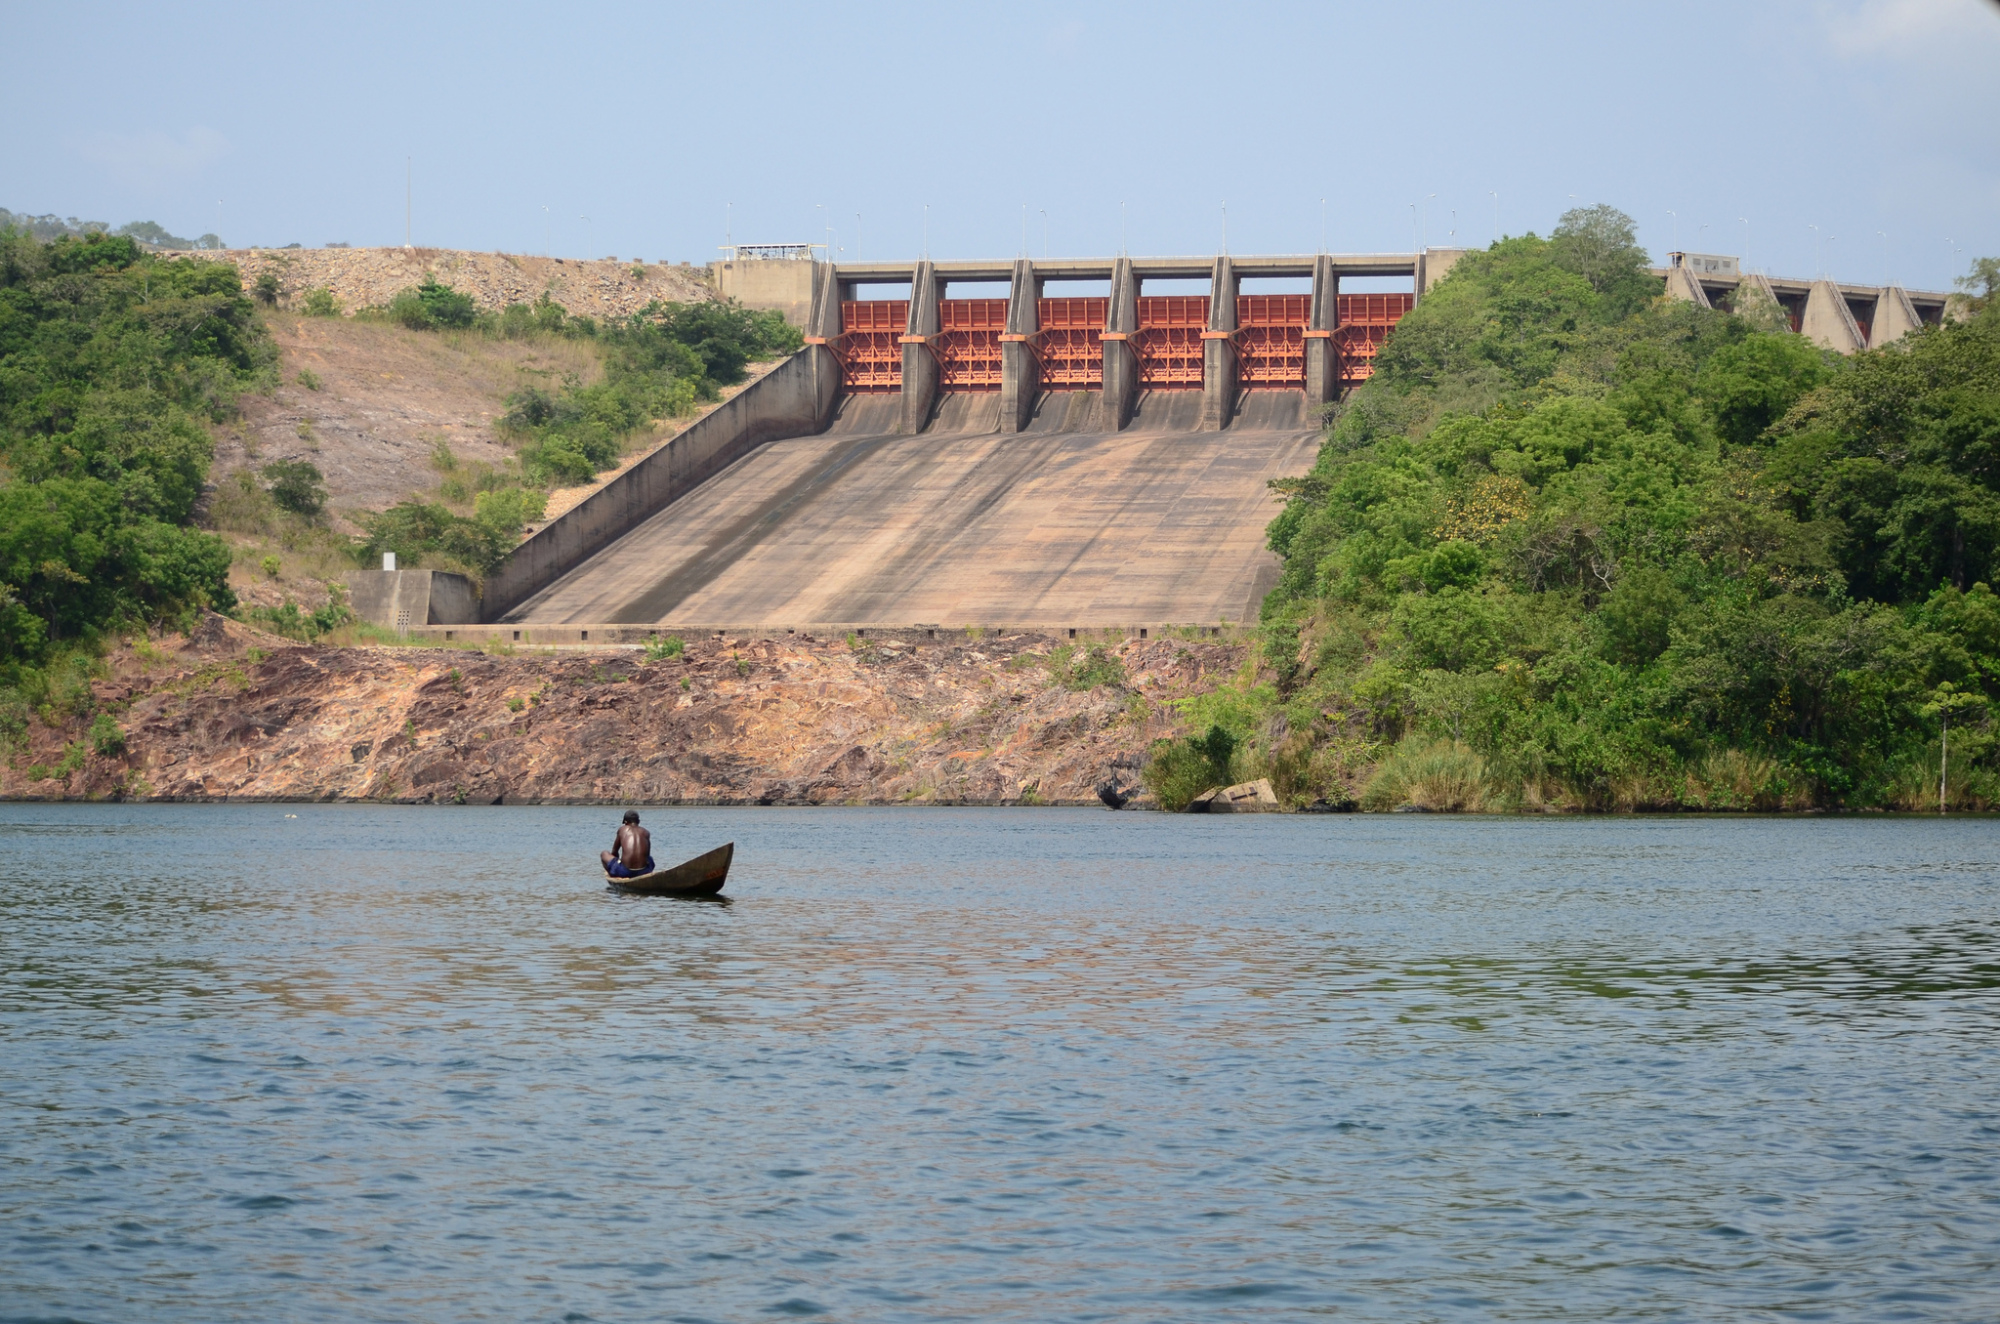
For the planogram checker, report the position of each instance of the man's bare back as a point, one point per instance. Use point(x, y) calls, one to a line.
point(631, 849)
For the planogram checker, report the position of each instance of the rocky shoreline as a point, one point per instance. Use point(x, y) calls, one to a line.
point(229, 714)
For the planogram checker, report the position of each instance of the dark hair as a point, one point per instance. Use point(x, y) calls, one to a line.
point(631, 815)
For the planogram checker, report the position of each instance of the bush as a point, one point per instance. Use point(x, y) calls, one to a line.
point(267, 289)
point(663, 649)
point(309, 379)
point(1079, 669)
point(1178, 770)
point(319, 302)
point(296, 485)
point(430, 306)
point(106, 736)
point(421, 533)
point(288, 620)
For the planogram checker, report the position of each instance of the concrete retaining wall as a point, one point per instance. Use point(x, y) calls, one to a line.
point(775, 286)
point(529, 637)
point(793, 400)
point(412, 599)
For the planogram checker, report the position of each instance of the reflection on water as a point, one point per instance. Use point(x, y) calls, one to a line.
point(419, 1064)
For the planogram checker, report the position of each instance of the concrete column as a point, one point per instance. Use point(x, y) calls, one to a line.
point(823, 340)
point(1121, 365)
point(1322, 363)
point(920, 367)
point(1218, 349)
point(823, 323)
point(1895, 317)
point(1433, 265)
point(1020, 371)
point(1682, 287)
point(1828, 322)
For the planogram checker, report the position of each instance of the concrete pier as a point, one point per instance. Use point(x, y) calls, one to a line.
point(1020, 371)
point(1218, 349)
point(1682, 287)
point(920, 365)
point(1322, 361)
point(1121, 365)
point(1829, 322)
point(1895, 317)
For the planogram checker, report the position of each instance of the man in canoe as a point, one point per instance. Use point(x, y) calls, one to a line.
point(631, 852)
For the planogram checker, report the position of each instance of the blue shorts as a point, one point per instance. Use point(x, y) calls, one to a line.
point(616, 868)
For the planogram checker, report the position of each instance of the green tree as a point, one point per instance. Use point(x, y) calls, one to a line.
point(1945, 703)
point(296, 485)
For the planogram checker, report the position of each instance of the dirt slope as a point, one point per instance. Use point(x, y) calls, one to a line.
point(386, 397)
point(227, 715)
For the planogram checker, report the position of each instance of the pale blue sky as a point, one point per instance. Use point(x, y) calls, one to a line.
point(1876, 120)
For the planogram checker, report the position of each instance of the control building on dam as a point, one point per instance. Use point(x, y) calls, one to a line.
point(1081, 465)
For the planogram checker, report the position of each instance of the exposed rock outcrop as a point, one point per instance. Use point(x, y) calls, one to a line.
point(369, 277)
point(229, 715)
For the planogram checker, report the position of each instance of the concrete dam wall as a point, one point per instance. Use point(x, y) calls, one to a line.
point(1062, 525)
point(1088, 463)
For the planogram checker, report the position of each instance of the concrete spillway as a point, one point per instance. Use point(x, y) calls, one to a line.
point(1066, 522)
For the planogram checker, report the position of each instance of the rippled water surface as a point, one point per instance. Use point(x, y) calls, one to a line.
point(281, 1062)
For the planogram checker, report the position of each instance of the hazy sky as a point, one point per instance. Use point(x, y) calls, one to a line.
point(1876, 120)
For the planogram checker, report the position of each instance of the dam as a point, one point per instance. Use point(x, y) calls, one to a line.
point(1090, 462)
point(1094, 462)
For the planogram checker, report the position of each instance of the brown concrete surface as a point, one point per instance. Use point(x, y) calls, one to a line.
point(963, 525)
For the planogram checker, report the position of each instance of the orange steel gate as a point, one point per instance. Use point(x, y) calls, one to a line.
point(1071, 354)
point(967, 344)
point(1271, 339)
point(871, 348)
point(1365, 321)
point(1168, 342)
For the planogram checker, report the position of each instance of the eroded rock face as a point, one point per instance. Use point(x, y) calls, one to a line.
point(731, 722)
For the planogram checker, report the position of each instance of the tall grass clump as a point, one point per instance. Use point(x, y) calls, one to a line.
point(1442, 776)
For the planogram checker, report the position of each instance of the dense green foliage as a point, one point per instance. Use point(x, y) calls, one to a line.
point(419, 532)
point(111, 364)
point(657, 363)
point(1578, 546)
point(51, 227)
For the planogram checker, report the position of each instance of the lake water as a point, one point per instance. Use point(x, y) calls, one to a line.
point(305, 1063)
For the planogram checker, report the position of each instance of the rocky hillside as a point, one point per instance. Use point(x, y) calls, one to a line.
point(229, 714)
point(368, 277)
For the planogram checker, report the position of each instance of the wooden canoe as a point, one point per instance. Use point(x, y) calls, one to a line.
point(703, 875)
